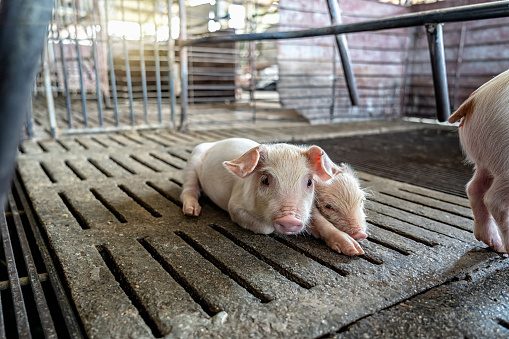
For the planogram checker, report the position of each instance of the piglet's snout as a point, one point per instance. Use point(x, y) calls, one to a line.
point(288, 225)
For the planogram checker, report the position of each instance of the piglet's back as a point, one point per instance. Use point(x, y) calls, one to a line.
point(484, 132)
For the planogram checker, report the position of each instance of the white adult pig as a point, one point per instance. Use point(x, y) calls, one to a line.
point(339, 217)
point(264, 187)
point(484, 136)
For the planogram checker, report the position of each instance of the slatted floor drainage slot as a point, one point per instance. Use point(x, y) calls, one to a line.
point(129, 290)
point(224, 268)
point(209, 308)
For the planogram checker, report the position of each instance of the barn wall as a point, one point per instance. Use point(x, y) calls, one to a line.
point(475, 52)
point(306, 65)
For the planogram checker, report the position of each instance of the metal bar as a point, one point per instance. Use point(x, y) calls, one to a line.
point(20, 312)
point(497, 9)
point(459, 62)
point(80, 65)
point(30, 119)
point(342, 46)
point(334, 81)
point(40, 301)
point(171, 64)
point(127, 69)
point(112, 67)
point(96, 67)
point(66, 308)
point(49, 96)
point(437, 55)
point(64, 69)
point(158, 68)
point(183, 66)
point(142, 66)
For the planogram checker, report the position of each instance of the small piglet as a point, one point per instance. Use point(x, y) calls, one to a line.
point(484, 136)
point(264, 187)
point(338, 217)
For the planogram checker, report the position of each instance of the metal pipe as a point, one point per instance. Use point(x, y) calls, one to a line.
point(171, 64)
point(334, 81)
point(497, 9)
point(80, 65)
point(459, 62)
point(97, 84)
point(49, 96)
point(437, 55)
point(112, 68)
point(127, 70)
point(142, 66)
point(158, 68)
point(342, 45)
point(183, 66)
point(23, 29)
point(64, 70)
point(30, 119)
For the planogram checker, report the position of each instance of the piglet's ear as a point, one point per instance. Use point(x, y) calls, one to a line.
point(244, 165)
point(321, 164)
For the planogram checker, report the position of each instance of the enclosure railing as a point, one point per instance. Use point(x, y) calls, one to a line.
point(131, 79)
point(432, 20)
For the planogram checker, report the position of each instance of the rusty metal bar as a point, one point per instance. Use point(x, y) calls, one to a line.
point(183, 65)
point(437, 55)
point(342, 46)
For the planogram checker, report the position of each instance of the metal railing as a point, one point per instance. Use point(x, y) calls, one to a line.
point(433, 20)
point(136, 86)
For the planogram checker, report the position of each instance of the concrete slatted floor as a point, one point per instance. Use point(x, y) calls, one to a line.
point(136, 267)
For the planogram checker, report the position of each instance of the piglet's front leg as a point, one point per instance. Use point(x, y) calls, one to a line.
point(337, 240)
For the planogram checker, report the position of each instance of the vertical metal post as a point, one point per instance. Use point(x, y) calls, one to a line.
point(334, 81)
point(23, 29)
point(252, 82)
point(183, 65)
point(142, 66)
point(171, 65)
point(158, 68)
point(30, 121)
point(127, 70)
point(112, 67)
point(341, 42)
point(459, 62)
point(96, 66)
point(64, 69)
point(80, 65)
point(252, 67)
point(49, 96)
point(437, 55)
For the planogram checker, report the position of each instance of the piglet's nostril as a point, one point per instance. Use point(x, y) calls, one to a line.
point(288, 225)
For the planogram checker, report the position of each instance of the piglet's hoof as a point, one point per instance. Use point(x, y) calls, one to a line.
point(191, 207)
point(345, 244)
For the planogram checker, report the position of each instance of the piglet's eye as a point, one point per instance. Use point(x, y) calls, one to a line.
point(265, 180)
point(328, 206)
point(310, 182)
